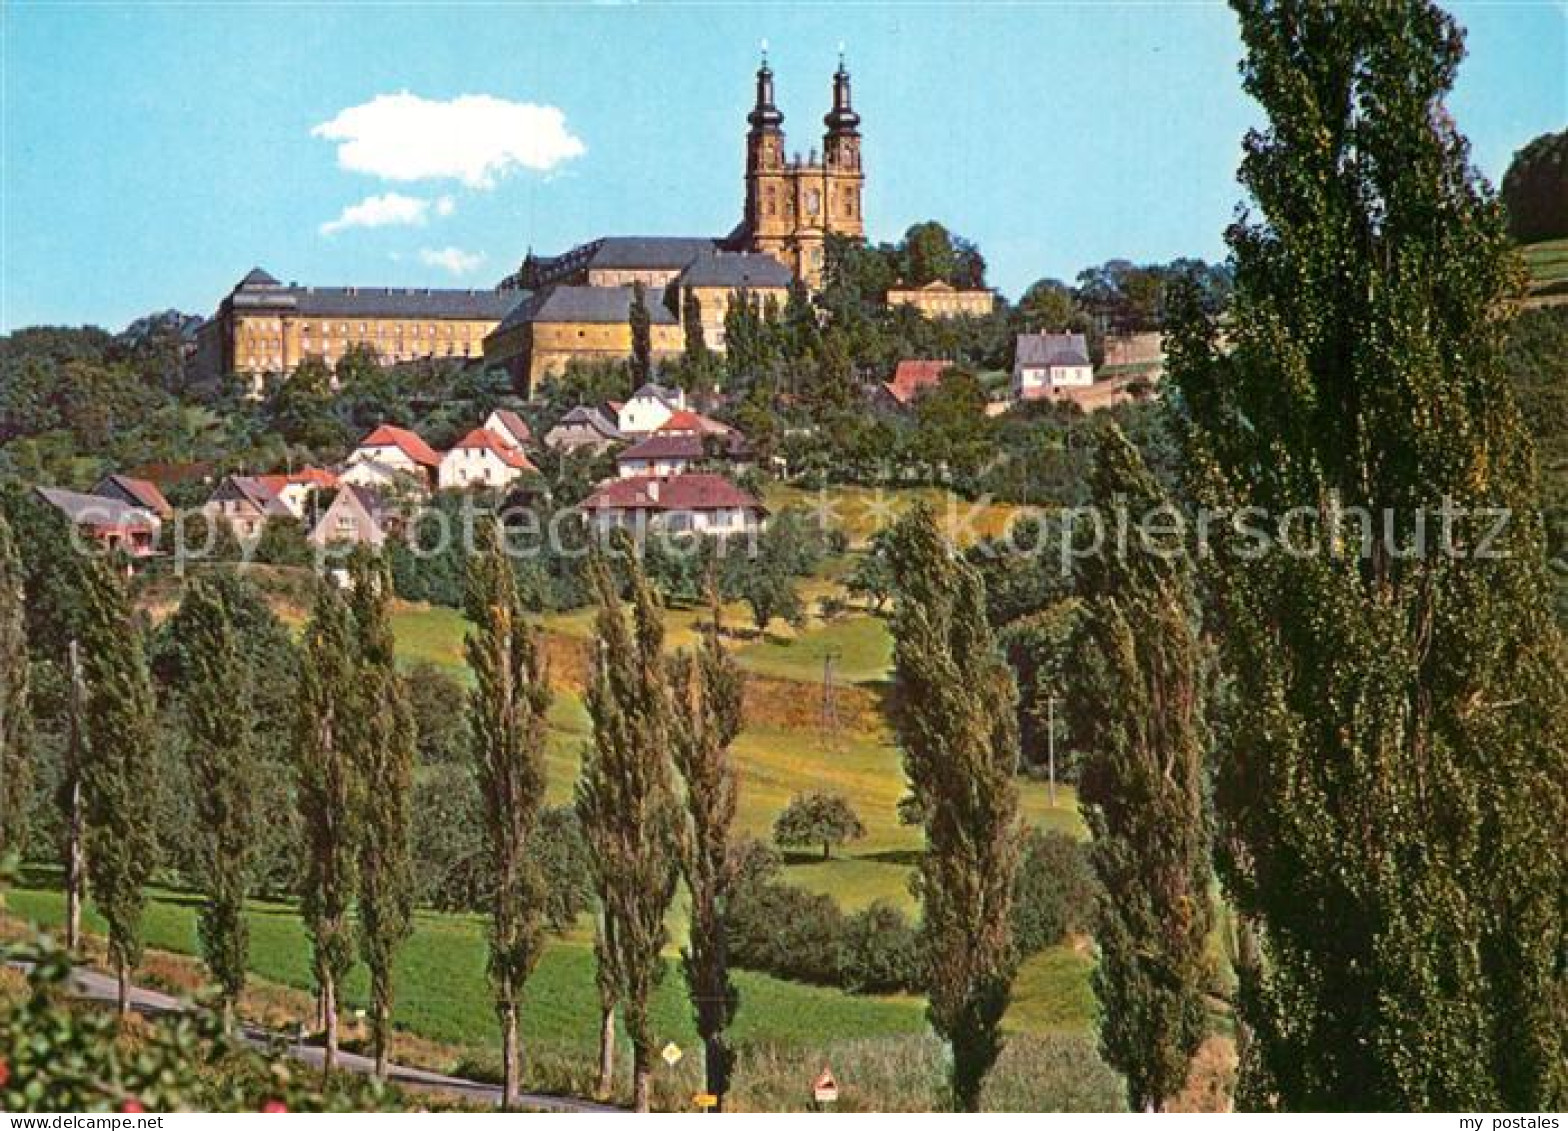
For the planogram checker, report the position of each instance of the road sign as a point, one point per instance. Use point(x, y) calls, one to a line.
point(672, 1054)
point(825, 1089)
point(705, 1099)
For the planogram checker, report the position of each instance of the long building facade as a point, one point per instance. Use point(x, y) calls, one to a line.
point(266, 327)
point(575, 305)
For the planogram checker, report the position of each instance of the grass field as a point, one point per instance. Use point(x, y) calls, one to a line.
point(861, 511)
point(1548, 263)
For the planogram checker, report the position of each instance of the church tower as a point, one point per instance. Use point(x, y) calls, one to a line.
point(841, 160)
point(793, 205)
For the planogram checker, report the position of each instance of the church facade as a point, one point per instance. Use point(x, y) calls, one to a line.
point(792, 205)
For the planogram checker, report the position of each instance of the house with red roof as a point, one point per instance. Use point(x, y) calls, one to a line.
point(134, 492)
point(675, 453)
point(688, 423)
point(391, 457)
point(698, 502)
point(296, 488)
point(510, 427)
point(482, 459)
point(910, 379)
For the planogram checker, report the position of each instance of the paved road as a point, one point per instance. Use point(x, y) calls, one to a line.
point(97, 986)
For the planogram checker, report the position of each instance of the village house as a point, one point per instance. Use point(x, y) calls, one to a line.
point(295, 489)
point(649, 408)
point(583, 428)
point(110, 522)
point(135, 493)
point(391, 457)
point(482, 459)
point(511, 427)
point(910, 379)
point(355, 516)
point(245, 503)
point(1044, 365)
point(696, 503)
point(675, 453)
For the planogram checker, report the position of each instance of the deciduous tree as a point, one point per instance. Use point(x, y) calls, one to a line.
point(119, 776)
point(627, 807)
point(508, 729)
point(1136, 705)
point(708, 690)
point(382, 746)
point(329, 799)
point(1395, 757)
point(15, 730)
point(956, 719)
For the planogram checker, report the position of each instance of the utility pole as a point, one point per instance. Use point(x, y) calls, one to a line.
point(829, 718)
point(1050, 745)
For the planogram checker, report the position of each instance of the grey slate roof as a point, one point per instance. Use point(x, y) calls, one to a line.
point(96, 510)
point(562, 303)
point(259, 290)
point(592, 418)
point(1052, 349)
point(736, 269)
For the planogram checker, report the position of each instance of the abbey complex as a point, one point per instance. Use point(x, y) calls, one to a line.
point(578, 304)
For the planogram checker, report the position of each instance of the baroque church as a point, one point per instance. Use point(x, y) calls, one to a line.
point(576, 305)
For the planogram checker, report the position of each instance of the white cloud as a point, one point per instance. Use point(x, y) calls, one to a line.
point(453, 259)
point(474, 139)
point(387, 210)
point(445, 206)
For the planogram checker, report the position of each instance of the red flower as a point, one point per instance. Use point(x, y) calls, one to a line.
point(5, 1073)
point(274, 1107)
point(131, 1107)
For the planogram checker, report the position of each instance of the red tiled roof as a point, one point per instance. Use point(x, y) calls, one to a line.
point(314, 476)
point(695, 492)
point(515, 424)
point(144, 492)
point(391, 436)
point(684, 420)
point(489, 441)
point(912, 376)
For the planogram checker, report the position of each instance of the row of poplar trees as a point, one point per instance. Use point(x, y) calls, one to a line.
point(1377, 725)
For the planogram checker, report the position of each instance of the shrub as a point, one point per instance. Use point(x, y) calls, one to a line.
point(440, 707)
point(784, 931)
point(1054, 891)
point(878, 952)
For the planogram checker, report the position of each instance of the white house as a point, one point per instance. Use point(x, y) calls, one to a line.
point(396, 453)
point(1047, 363)
point(648, 409)
point(512, 428)
point(705, 503)
point(481, 459)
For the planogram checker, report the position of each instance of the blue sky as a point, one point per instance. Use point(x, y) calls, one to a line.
point(153, 153)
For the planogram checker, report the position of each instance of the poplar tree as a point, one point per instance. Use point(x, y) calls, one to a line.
point(709, 689)
point(642, 336)
point(508, 729)
point(627, 807)
point(329, 798)
point(1394, 786)
point(955, 713)
point(15, 727)
point(219, 724)
point(382, 746)
point(1136, 707)
point(119, 775)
